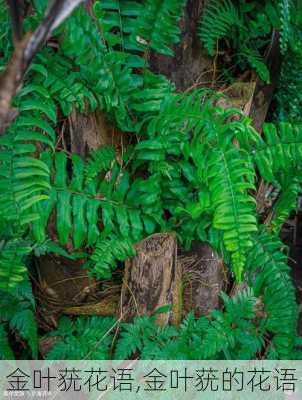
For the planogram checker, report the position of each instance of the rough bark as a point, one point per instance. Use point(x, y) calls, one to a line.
point(92, 131)
point(153, 279)
point(264, 93)
point(204, 277)
point(190, 66)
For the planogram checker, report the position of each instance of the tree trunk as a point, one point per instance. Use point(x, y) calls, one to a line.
point(204, 277)
point(153, 279)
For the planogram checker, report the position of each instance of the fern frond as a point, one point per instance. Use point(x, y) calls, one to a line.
point(280, 149)
point(76, 203)
point(100, 160)
point(256, 61)
point(270, 277)
point(64, 84)
point(18, 316)
point(287, 202)
point(230, 178)
point(24, 322)
point(108, 250)
point(220, 17)
point(6, 352)
point(85, 338)
point(285, 14)
point(224, 334)
point(157, 26)
point(106, 72)
point(117, 20)
point(216, 166)
point(126, 209)
point(12, 264)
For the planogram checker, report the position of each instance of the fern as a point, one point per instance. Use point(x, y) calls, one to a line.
point(18, 316)
point(288, 94)
point(108, 250)
point(192, 169)
point(225, 334)
point(285, 13)
point(85, 338)
point(100, 160)
point(229, 179)
point(12, 264)
point(106, 71)
point(279, 150)
point(219, 174)
point(157, 26)
point(76, 202)
point(255, 60)
point(219, 19)
point(64, 85)
point(118, 21)
point(287, 201)
point(246, 26)
point(128, 210)
point(270, 277)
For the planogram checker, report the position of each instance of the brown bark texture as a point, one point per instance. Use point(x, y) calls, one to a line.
point(153, 279)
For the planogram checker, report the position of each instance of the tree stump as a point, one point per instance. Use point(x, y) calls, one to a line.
point(204, 277)
point(153, 279)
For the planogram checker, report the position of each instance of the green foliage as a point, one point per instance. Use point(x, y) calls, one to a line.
point(203, 174)
point(12, 264)
point(84, 338)
point(192, 167)
point(76, 203)
point(157, 25)
point(5, 38)
point(218, 21)
point(108, 250)
point(245, 27)
point(280, 150)
point(238, 331)
point(270, 278)
point(285, 16)
point(288, 95)
point(108, 54)
point(287, 202)
point(18, 318)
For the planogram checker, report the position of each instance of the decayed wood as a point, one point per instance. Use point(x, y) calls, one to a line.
point(62, 286)
point(190, 67)
point(91, 131)
point(153, 279)
point(204, 277)
point(105, 307)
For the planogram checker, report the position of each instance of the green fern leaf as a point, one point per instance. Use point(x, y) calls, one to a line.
point(157, 26)
point(6, 352)
point(271, 279)
point(230, 178)
point(280, 149)
point(25, 323)
point(218, 20)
